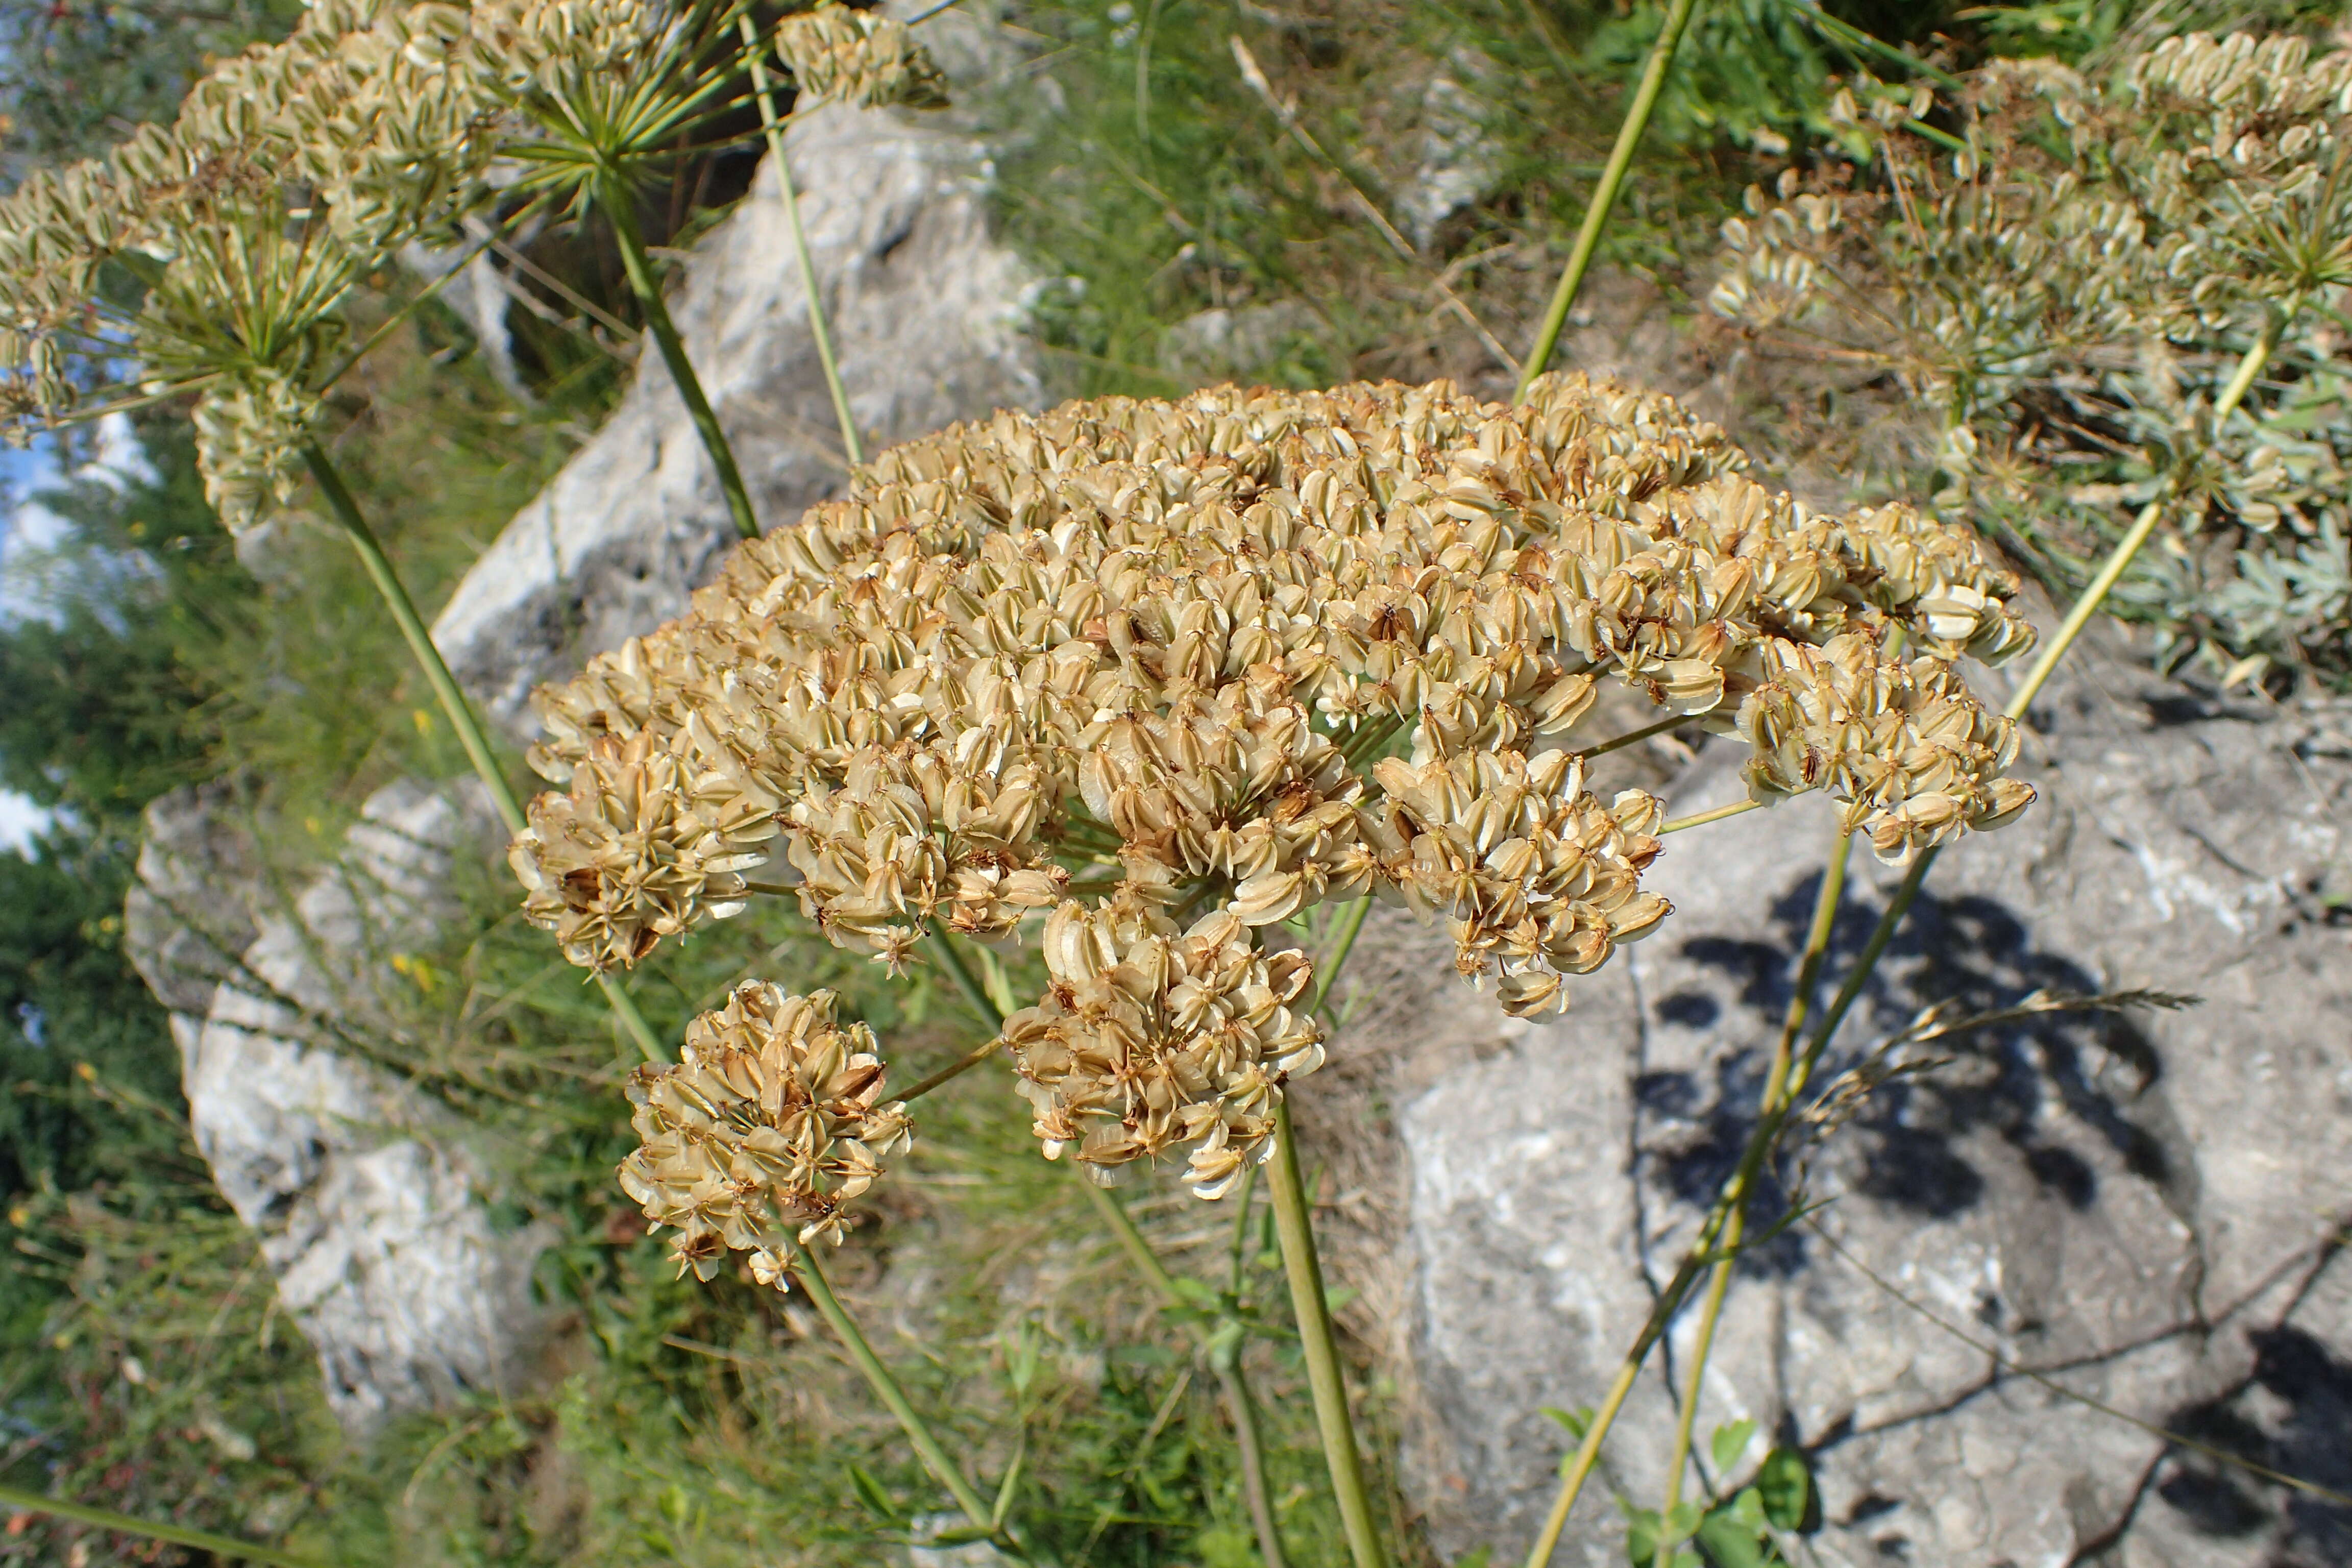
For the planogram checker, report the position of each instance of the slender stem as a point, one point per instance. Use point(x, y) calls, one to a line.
point(818, 329)
point(1634, 737)
point(1571, 1480)
point(2092, 596)
point(1350, 925)
point(413, 629)
point(943, 949)
point(1226, 1360)
point(1604, 195)
point(460, 712)
point(1718, 1285)
point(956, 1068)
point(1700, 819)
point(613, 194)
point(1777, 1091)
point(1313, 1309)
point(1223, 1349)
point(1719, 1235)
point(225, 1546)
point(1139, 1251)
point(886, 1388)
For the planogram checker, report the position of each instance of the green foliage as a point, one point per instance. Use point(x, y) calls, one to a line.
point(106, 706)
point(72, 75)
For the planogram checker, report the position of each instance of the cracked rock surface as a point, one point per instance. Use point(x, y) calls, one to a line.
point(2138, 1206)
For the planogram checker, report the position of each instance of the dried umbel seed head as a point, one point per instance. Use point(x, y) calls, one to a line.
point(770, 1128)
point(861, 57)
point(624, 858)
point(1178, 672)
point(250, 431)
point(2070, 293)
point(290, 171)
point(1149, 1042)
point(1536, 878)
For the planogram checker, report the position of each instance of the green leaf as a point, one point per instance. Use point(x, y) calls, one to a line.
point(1012, 1482)
point(1476, 1559)
point(1641, 1535)
point(870, 1493)
point(1730, 1442)
point(1731, 1544)
point(962, 1536)
point(1578, 1421)
point(1785, 1482)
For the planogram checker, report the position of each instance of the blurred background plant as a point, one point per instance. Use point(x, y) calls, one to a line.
point(2069, 276)
point(1187, 237)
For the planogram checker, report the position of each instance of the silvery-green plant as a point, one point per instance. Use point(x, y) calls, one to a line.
point(2071, 281)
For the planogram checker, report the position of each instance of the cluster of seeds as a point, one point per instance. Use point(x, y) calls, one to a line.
point(772, 1122)
point(858, 56)
point(2070, 288)
point(1177, 672)
point(294, 170)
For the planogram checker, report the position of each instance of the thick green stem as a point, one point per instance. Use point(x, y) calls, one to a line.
point(1316, 1335)
point(614, 197)
point(886, 1388)
point(1604, 195)
point(818, 329)
point(222, 1546)
point(454, 706)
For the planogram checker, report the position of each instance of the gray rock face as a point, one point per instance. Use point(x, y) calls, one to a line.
point(364, 1198)
point(926, 309)
point(2141, 1208)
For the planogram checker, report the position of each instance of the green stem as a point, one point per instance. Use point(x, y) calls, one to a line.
point(1718, 1237)
point(2094, 595)
point(1778, 1090)
point(1352, 925)
point(1718, 1285)
point(614, 197)
point(1224, 1357)
point(817, 326)
point(944, 948)
point(1634, 737)
point(419, 639)
point(1313, 1309)
point(225, 1546)
point(1700, 819)
point(956, 1068)
point(1139, 1251)
point(1604, 195)
point(459, 712)
point(886, 1388)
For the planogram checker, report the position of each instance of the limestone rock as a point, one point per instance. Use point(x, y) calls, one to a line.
point(925, 307)
point(2140, 1206)
point(364, 1199)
